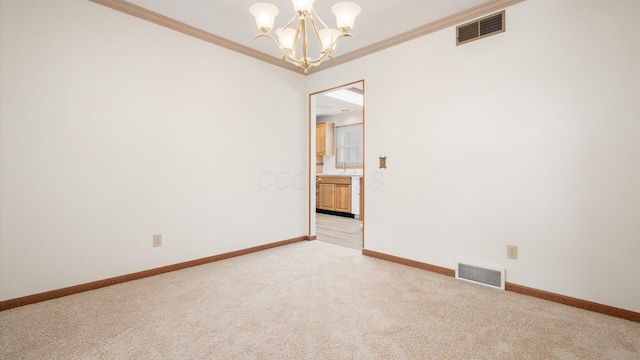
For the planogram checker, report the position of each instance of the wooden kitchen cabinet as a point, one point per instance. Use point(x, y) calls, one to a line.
point(342, 200)
point(327, 197)
point(324, 138)
point(334, 193)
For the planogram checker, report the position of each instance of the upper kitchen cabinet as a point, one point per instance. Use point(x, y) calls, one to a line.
point(324, 138)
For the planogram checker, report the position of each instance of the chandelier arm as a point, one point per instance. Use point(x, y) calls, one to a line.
point(305, 45)
point(317, 61)
point(297, 35)
point(284, 52)
point(315, 30)
point(290, 21)
point(319, 18)
point(303, 63)
point(340, 37)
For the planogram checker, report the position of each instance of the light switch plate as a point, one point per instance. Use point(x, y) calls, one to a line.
point(383, 162)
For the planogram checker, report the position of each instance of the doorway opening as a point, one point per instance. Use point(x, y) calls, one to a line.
point(336, 212)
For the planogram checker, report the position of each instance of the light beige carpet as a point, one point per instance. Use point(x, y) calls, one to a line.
point(309, 300)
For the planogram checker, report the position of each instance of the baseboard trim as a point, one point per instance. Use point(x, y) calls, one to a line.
point(579, 303)
point(53, 294)
point(312, 237)
point(562, 299)
point(412, 263)
point(335, 213)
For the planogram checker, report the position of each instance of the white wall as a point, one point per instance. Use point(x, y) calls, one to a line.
point(350, 118)
point(114, 129)
point(529, 137)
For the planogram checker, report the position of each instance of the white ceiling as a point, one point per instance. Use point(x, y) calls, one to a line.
point(379, 20)
point(327, 106)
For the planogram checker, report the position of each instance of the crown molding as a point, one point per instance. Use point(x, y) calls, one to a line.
point(451, 20)
point(148, 15)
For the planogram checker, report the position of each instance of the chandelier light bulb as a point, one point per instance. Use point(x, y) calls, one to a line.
point(265, 15)
point(302, 5)
point(328, 36)
point(345, 13)
point(286, 37)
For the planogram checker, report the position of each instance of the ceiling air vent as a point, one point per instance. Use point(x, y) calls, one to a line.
point(478, 29)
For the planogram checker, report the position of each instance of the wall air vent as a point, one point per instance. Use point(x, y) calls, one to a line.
point(492, 276)
point(481, 28)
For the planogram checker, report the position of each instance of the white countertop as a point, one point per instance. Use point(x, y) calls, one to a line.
point(340, 174)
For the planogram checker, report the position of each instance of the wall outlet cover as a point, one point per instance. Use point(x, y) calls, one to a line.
point(157, 240)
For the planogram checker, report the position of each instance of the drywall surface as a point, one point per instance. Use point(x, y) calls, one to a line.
point(530, 138)
point(350, 118)
point(114, 129)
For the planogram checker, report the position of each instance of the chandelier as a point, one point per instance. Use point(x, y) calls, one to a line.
point(289, 37)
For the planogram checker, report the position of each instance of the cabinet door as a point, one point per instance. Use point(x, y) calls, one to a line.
point(320, 139)
point(343, 198)
point(324, 138)
point(327, 197)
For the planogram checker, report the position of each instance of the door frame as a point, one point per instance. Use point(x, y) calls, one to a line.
point(312, 156)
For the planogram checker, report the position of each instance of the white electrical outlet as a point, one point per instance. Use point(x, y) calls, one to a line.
point(157, 240)
point(512, 252)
